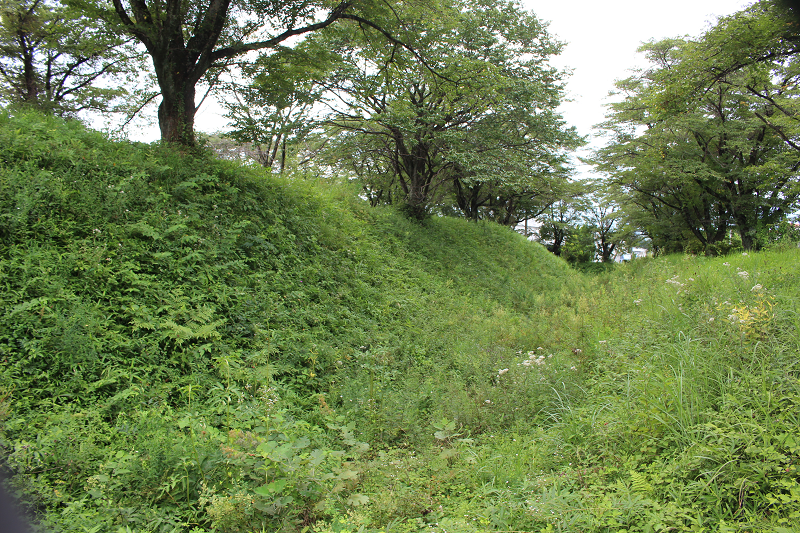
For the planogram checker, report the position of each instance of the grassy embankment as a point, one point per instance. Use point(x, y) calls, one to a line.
point(188, 345)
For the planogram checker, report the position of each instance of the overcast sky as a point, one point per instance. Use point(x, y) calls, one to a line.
point(602, 38)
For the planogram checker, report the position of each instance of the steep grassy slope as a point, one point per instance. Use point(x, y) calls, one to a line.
point(142, 287)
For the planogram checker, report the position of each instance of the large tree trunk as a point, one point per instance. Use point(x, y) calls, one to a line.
point(467, 199)
point(177, 110)
point(416, 205)
point(745, 225)
point(30, 94)
point(748, 242)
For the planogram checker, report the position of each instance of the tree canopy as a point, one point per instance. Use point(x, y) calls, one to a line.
point(474, 127)
point(446, 107)
point(699, 142)
point(55, 58)
point(193, 41)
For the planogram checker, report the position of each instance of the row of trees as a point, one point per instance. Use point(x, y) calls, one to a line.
point(56, 58)
point(706, 141)
point(444, 107)
point(438, 106)
point(470, 127)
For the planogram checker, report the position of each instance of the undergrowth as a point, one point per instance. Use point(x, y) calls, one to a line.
point(189, 344)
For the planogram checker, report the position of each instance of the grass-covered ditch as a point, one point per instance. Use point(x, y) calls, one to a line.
point(191, 345)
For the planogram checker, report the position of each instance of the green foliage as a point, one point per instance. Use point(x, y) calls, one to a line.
point(142, 287)
point(192, 41)
point(580, 246)
point(472, 128)
point(271, 354)
point(272, 116)
point(701, 142)
point(53, 55)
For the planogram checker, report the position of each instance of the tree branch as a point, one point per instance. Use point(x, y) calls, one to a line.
point(233, 51)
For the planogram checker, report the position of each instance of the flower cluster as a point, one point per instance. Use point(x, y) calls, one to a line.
point(674, 281)
point(534, 359)
point(677, 283)
point(268, 395)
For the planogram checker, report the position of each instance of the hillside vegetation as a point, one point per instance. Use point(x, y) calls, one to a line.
point(188, 344)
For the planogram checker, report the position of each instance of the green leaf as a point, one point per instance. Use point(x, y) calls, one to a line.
point(346, 474)
point(271, 488)
point(357, 500)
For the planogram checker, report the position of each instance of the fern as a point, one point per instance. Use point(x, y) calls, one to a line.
point(639, 482)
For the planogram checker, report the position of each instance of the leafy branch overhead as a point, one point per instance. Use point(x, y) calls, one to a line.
point(190, 42)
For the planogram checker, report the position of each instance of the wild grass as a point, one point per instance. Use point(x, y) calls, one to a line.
point(191, 345)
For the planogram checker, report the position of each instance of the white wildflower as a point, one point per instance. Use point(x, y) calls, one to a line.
point(756, 287)
point(674, 281)
point(502, 371)
point(726, 264)
point(743, 274)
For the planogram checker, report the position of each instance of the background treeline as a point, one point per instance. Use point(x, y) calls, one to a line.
point(447, 108)
point(704, 142)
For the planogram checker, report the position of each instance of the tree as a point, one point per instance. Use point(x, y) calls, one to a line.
point(580, 246)
point(276, 110)
point(704, 155)
point(190, 41)
point(606, 221)
point(53, 57)
point(478, 121)
point(561, 220)
point(586, 223)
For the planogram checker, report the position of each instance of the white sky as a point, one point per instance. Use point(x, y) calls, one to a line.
point(602, 38)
